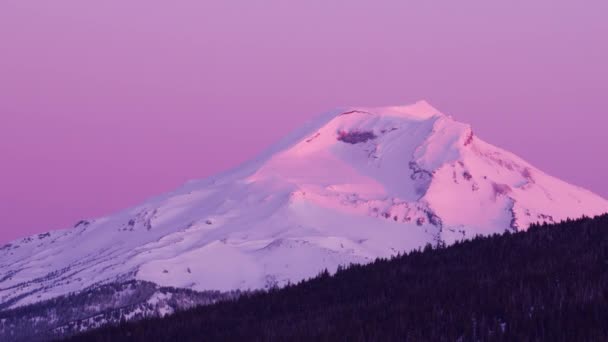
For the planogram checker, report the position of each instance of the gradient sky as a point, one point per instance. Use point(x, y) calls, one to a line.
point(106, 103)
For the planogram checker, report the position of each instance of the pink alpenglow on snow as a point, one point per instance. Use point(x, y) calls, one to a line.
point(349, 187)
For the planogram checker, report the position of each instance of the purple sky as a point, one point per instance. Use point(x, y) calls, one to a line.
point(105, 103)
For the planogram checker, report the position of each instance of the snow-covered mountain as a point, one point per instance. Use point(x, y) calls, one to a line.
point(349, 187)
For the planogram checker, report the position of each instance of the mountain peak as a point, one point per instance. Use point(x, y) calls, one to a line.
point(368, 183)
point(419, 110)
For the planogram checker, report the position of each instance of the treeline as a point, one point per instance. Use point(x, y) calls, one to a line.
point(549, 283)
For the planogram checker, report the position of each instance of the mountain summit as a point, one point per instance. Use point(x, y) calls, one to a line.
point(349, 187)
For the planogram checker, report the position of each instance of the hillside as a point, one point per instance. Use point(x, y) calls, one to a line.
point(98, 306)
point(549, 283)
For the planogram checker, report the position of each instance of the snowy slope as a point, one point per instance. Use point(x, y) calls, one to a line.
point(349, 187)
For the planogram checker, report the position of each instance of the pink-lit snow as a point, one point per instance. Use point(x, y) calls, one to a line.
point(354, 185)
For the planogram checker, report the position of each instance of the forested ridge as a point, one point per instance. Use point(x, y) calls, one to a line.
point(549, 283)
point(98, 306)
